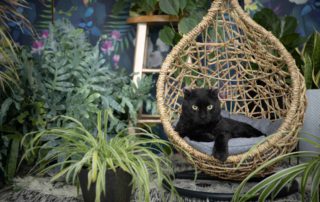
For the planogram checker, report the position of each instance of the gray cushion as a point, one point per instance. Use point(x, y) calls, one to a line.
point(240, 145)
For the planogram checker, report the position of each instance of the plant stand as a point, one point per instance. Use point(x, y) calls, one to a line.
point(143, 24)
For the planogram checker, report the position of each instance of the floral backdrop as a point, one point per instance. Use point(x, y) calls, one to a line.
point(96, 18)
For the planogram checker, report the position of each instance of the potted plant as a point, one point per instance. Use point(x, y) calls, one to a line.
point(311, 71)
point(99, 159)
point(308, 171)
point(63, 74)
point(187, 13)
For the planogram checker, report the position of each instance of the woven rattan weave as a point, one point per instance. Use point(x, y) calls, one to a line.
point(255, 74)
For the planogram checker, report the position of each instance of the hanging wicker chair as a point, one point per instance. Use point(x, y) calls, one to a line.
point(255, 75)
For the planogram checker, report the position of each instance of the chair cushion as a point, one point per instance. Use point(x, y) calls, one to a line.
point(240, 145)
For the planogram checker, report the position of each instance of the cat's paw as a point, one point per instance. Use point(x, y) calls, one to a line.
point(222, 156)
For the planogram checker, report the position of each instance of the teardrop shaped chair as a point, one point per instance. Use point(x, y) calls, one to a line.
point(255, 75)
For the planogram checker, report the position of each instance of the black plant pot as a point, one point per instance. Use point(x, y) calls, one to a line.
point(118, 187)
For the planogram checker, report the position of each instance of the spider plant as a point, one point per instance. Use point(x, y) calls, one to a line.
point(78, 148)
point(272, 185)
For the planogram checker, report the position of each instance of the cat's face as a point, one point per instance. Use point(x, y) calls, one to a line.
point(202, 106)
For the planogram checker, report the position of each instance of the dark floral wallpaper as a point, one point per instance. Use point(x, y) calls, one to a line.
point(96, 18)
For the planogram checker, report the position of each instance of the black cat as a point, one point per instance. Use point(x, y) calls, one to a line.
point(201, 121)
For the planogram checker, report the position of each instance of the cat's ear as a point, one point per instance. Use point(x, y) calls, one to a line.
point(213, 92)
point(186, 92)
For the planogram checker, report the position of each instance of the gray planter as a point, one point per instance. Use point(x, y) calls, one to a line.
point(311, 121)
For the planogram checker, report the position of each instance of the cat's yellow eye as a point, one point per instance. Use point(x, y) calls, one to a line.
point(209, 107)
point(194, 107)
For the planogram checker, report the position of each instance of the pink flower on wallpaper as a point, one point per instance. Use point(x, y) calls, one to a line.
point(107, 47)
point(116, 59)
point(45, 34)
point(37, 46)
point(116, 35)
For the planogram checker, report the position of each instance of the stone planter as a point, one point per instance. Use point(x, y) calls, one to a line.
point(311, 121)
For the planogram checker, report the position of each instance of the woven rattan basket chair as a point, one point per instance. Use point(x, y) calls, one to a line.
point(254, 73)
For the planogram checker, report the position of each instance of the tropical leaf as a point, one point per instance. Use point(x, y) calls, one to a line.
point(167, 35)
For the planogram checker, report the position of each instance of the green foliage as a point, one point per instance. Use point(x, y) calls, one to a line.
point(283, 29)
point(172, 7)
point(80, 148)
point(73, 78)
point(8, 73)
point(271, 186)
point(190, 13)
point(311, 57)
point(9, 13)
point(9, 79)
point(189, 22)
point(68, 76)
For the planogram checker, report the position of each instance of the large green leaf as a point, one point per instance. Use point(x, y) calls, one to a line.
point(289, 26)
point(291, 41)
point(167, 35)
point(186, 24)
point(269, 20)
point(151, 5)
point(172, 7)
point(183, 4)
